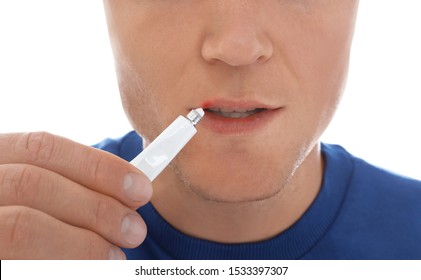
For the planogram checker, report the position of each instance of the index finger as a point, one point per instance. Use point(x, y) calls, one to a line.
point(90, 167)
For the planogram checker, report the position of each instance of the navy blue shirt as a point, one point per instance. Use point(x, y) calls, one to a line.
point(361, 212)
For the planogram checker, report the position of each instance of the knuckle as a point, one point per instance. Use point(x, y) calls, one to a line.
point(19, 183)
point(95, 247)
point(98, 166)
point(94, 165)
point(18, 228)
point(39, 146)
point(101, 206)
point(15, 229)
point(22, 229)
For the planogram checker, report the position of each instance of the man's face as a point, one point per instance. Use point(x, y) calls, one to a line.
point(279, 64)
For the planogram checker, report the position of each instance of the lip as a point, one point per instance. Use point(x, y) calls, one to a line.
point(237, 126)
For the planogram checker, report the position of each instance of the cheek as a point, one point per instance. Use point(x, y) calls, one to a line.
point(144, 107)
point(149, 80)
point(320, 57)
point(148, 63)
point(162, 89)
point(327, 81)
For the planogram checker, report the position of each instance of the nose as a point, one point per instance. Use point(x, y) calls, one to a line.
point(237, 39)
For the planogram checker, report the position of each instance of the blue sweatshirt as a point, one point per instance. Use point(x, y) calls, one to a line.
point(361, 212)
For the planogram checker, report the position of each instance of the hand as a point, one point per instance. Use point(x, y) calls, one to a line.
point(63, 200)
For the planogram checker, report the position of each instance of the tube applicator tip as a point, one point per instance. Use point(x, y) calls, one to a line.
point(196, 115)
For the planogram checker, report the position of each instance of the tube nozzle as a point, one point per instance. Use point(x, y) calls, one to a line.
point(196, 115)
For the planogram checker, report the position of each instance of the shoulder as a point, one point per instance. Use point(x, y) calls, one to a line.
point(370, 178)
point(373, 187)
point(380, 213)
point(126, 147)
point(389, 199)
point(385, 187)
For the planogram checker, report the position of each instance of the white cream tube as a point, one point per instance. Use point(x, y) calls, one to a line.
point(158, 154)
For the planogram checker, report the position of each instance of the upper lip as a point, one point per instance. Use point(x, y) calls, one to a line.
point(235, 105)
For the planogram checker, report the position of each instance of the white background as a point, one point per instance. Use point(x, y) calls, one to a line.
point(56, 74)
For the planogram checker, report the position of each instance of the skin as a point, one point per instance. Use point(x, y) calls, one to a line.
point(62, 200)
point(173, 55)
point(77, 202)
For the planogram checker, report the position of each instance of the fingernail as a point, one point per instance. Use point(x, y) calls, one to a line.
point(116, 254)
point(137, 187)
point(133, 229)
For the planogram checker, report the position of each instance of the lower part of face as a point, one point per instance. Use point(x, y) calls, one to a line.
point(287, 56)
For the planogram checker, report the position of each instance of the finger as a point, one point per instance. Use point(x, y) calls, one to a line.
point(26, 233)
point(71, 203)
point(90, 167)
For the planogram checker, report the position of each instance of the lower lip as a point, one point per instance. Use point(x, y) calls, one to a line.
point(236, 126)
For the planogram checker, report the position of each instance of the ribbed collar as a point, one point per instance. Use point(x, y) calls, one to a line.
point(293, 243)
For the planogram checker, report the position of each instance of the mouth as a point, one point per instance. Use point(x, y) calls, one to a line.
point(237, 117)
point(234, 113)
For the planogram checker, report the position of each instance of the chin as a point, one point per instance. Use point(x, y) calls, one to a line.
point(236, 193)
point(233, 184)
point(239, 170)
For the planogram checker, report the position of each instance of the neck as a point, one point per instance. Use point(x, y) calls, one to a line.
point(244, 221)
